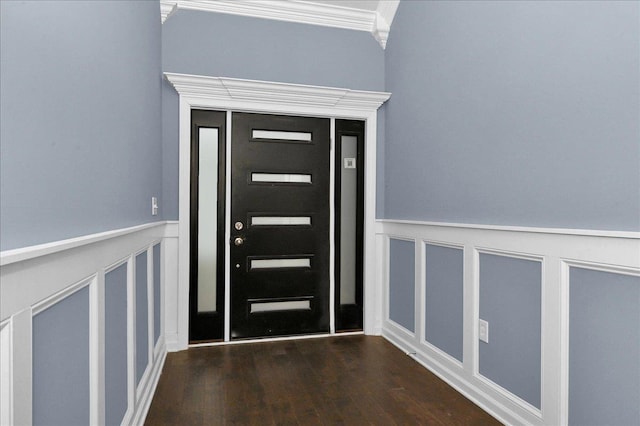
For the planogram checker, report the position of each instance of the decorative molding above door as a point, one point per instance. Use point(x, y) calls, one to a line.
point(275, 94)
point(377, 22)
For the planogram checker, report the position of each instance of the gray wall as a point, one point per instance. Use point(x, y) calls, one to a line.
point(402, 288)
point(604, 348)
point(510, 301)
point(260, 49)
point(61, 362)
point(514, 113)
point(80, 138)
point(444, 290)
point(115, 345)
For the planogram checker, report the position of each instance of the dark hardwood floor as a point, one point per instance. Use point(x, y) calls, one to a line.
point(350, 380)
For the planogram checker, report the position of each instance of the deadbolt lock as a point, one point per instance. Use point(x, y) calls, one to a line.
point(238, 226)
point(238, 241)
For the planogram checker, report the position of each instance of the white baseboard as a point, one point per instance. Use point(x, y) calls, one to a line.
point(458, 382)
point(149, 389)
point(172, 342)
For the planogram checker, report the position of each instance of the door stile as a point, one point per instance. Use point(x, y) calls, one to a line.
point(227, 234)
point(332, 226)
point(373, 263)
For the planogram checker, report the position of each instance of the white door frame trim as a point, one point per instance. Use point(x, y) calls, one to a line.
point(228, 94)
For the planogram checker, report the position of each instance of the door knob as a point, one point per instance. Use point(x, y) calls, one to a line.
point(238, 241)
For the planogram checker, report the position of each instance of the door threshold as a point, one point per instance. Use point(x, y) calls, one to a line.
point(275, 339)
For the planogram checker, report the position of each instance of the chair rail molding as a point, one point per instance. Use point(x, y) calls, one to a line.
point(377, 22)
point(228, 94)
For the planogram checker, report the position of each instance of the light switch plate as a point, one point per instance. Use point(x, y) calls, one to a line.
point(483, 331)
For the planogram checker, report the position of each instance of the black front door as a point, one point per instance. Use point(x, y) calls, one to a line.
point(280, 225)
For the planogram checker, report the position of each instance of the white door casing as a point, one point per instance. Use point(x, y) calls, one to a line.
point(228, 94)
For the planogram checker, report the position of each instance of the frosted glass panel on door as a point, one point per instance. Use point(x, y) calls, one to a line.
point(280, 263)
point(280, 220)
point(281, 135)
point(280, 306)
point(207, 218)
point(280, 178)
point(348, 225)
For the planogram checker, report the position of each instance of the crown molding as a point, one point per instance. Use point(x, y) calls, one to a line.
point(377, 22)
point(262, 92)
point(167, 7)
point(384, 18)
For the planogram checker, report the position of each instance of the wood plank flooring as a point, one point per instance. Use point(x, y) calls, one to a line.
point(348, 380)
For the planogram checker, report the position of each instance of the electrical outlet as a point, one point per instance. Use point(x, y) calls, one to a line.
point(483, 331)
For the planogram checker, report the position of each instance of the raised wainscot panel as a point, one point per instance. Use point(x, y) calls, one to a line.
point(402, 291)
point(604, 348)
point(444, 289)
point(510, 301)
point(61, 373)
point(115, 344)
point(142, 316)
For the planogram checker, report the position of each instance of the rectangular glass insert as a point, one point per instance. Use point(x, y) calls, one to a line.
point(281, 263)
point(280, 220)
point(293, 305)
point(281, 135)
point(348, 220)
point(207, 218)
point(280, 178)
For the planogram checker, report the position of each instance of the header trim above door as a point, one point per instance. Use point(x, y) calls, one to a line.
point(272, 94)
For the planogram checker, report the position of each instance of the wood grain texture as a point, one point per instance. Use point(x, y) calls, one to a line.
point(354, 380)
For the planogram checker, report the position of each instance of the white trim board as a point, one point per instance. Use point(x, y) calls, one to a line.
point(529, 229)
point(276, 339)
point(38, 277)
point(8, 257)
point(226, 94)
point(377, 22)
point(557, 251)
point(38, 272)
point(6, 372)
point(240, 94)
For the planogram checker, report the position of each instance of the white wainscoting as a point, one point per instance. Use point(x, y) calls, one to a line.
point(37, 277)
point(557, 250)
